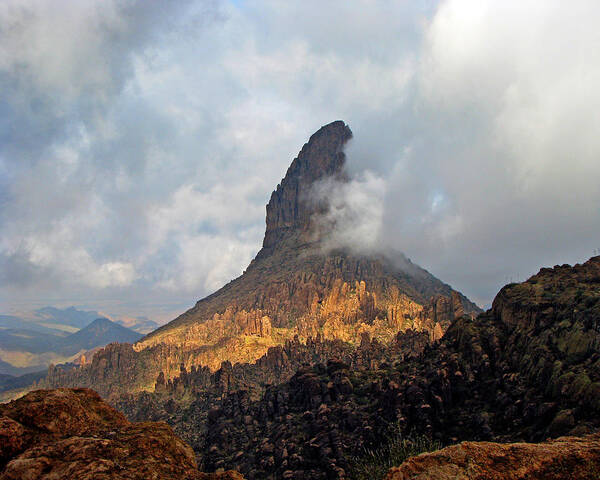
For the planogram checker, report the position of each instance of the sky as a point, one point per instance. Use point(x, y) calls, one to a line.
point(140, 140)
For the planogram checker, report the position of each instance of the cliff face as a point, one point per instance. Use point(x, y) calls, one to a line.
point(290, 211)
point(281, 362)
point(292, 288)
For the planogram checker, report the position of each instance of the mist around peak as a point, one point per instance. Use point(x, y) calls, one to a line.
point(352, 212)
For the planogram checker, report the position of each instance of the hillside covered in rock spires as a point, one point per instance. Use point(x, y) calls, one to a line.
point(298, 285)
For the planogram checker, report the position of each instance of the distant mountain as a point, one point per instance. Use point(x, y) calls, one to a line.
point(13, 322)
point(139, 324)
point(100, 332)
point(63, 321)
point(8, 371)
point(23, 380)
point(67, 316)
point(49, 320)
point(26, 340)
point(23, 350)
point(10, 321)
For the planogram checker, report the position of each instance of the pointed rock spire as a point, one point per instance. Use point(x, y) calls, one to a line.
point(289, 210)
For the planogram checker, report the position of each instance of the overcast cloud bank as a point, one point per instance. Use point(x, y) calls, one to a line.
point(140, 141)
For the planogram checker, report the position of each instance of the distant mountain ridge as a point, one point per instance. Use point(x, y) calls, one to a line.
point(62, 321)
point(10, 371)
point(138, 324)
point(101, 332)
point(14, 322)
point(16, 344)
point(67, 316)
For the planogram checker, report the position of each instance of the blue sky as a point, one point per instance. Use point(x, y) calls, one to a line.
point(140, 141)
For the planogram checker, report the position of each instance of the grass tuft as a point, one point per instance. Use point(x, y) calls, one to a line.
point(373, 464)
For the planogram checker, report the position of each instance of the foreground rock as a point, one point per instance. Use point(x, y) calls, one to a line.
point(73, 434)
point(564, 458)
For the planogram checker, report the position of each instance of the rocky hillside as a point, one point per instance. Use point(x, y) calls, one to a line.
point(526, 370)
point(186, 401)
point(73, 434)
point(294, 287)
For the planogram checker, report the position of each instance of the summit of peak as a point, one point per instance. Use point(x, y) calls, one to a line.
point(321, 157)
point(337, 127)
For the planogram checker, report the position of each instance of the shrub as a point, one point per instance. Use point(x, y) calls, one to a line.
point(373, 464)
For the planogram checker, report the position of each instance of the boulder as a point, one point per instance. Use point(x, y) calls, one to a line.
point(74, 434)
point(562, 459)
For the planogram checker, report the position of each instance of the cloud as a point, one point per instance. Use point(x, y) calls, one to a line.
point(140, 141)
point(63, 63)
point(494, 177)
point(210, 233)
point(354, 213)
point(79, 138)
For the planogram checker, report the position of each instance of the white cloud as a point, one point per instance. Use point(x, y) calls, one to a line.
point(207, 262)
point(507, 101)
point(140, 141)
point(212, 234)
point(355, 212)
point(74, 264)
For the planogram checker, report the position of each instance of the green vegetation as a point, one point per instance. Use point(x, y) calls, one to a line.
point(373, 464)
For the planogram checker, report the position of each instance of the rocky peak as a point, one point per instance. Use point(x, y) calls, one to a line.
point(292, 287)
point(289, 210)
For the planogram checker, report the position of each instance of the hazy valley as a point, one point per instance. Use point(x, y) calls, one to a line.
point(50, 336)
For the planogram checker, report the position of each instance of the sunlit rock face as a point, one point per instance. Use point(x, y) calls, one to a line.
point(294, 287)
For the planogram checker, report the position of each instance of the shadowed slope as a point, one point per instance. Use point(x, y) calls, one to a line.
point(527, 369)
